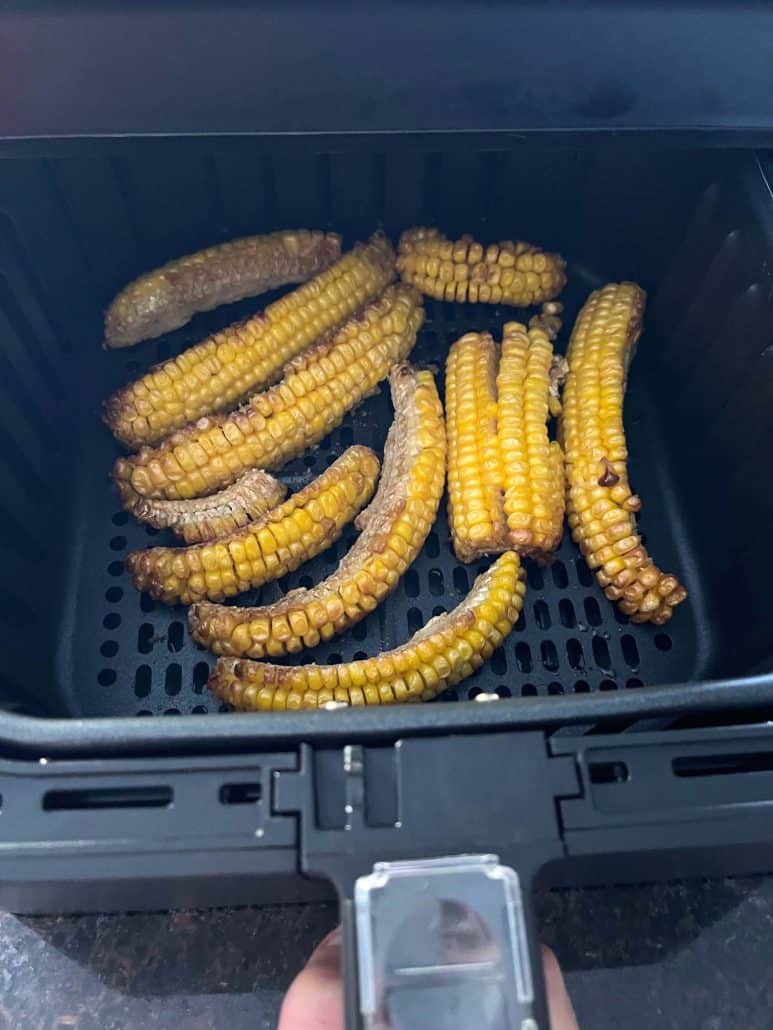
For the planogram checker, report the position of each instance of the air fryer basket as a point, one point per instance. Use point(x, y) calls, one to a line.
point(693, 227)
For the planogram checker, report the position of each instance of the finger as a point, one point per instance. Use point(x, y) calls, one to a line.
point(560, 1009)
point(315, 999)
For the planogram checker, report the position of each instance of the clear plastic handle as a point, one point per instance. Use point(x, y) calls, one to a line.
point(443, 943)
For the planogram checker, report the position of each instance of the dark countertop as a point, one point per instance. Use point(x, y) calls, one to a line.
point(687, 956)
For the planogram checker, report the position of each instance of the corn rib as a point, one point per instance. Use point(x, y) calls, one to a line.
point(475, 503)
point(223, 370)
point(600, 502)
point(207, 518)
point(447, 650)
point(319, 387)
point(306, 524)
point(511, 272)
point(394, 528)
point(169, 296)
point(532, 464)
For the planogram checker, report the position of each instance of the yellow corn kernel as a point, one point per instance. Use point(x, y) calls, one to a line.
point(224, 369)
point(231, 566)
point(600, 503)
point(412, 479)
point(513, 273)
point(381, 335)
point(396, 675)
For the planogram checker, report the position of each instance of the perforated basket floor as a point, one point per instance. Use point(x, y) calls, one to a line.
point(121, 653)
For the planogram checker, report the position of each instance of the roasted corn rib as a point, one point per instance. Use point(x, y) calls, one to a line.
point(317, 390)
point(511, 272)
point(226, 368)
point(394, 528)
point(447, 650)
point(206, 518)
point(600, 503)
point(532, 464)
point(475, 502)
point(170, 296)
point(306, 524)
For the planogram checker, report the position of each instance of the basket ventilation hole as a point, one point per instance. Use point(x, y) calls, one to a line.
point(663, 642)
point(461, 580)
point(558, 572)
point(306, 582)
point(504, 691)
point(309, 460)
point(601, 653)
point(113, 595)
point(439, 610)
point(360, 631)
point(115, 568)
point(117, 543)
point(436, 582)
point(630, 650)
point(433, 545)
point(542, 615)
point(582, 687)
point(200, 676)
point(592, 611)
point(334, 657)
point(549, 655)
point(584, 574)
point(112, 620)
point(147, 604)
point(523, 657)
point(555, 688)
point(360, 656)
point(415, 621)
point(175, 636)
point(173, 681)
point(607, 685)
point(151, 530)
point(143, 679)
point(172, 711)
point(145, 638)
point(633, 683)
point(499, 662)
point(120, 518)
point(566, 613)
point(199, 710)
point(535, 578)
point(106, 677)
point(528, 690)
point(109, 649)
point(574, 653)
point(411, 583)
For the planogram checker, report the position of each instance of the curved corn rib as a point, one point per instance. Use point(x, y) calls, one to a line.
point(306, 524)
point(394, 528)
point(317, 390)
point(600, 503)
point(170, 296)
point(207, 518)
point(511, 272)
point(447, 650)
point(475, 504)
point(532, 464)
point(224, 369)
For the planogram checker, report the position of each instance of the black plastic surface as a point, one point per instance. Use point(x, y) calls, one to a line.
point(187, 67)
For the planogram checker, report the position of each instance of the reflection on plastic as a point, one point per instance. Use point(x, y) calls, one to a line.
point(441, 944)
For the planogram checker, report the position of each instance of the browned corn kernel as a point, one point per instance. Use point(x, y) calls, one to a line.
point(394, 528)
point(600, 504)
point(317, 390)
point(226, 368)
point(532, 464)
point(306, 524)
point(475, 505)
point(447, 650)
point(511, 272)
point(207, 518)
point(170, 296)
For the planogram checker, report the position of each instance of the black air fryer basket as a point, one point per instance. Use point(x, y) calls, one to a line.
point(604, 748)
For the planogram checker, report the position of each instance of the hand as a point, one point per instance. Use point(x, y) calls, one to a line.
point(315, 998)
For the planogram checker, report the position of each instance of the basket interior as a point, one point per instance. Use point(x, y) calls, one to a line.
point(76, 225)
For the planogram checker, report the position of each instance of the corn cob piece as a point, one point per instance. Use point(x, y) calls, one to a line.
point(226, 368)
point(445, 651)
point(317, 390)
point(511, 272)
point(305, 525)
point(532, 464)
point(475, 503)
point(170, 296)
point(600, 502)
point(207, 518)
point(394, 528)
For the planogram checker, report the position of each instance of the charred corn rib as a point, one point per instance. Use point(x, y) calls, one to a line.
point(306, 524)
point(207, 518)
point(475, 504)
point(317, 390)
point(394, 528)
point(532, 464)
point(511, 272)
point(447, 650)
point(170, 296)
point(600, 503)
point(226, 368)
